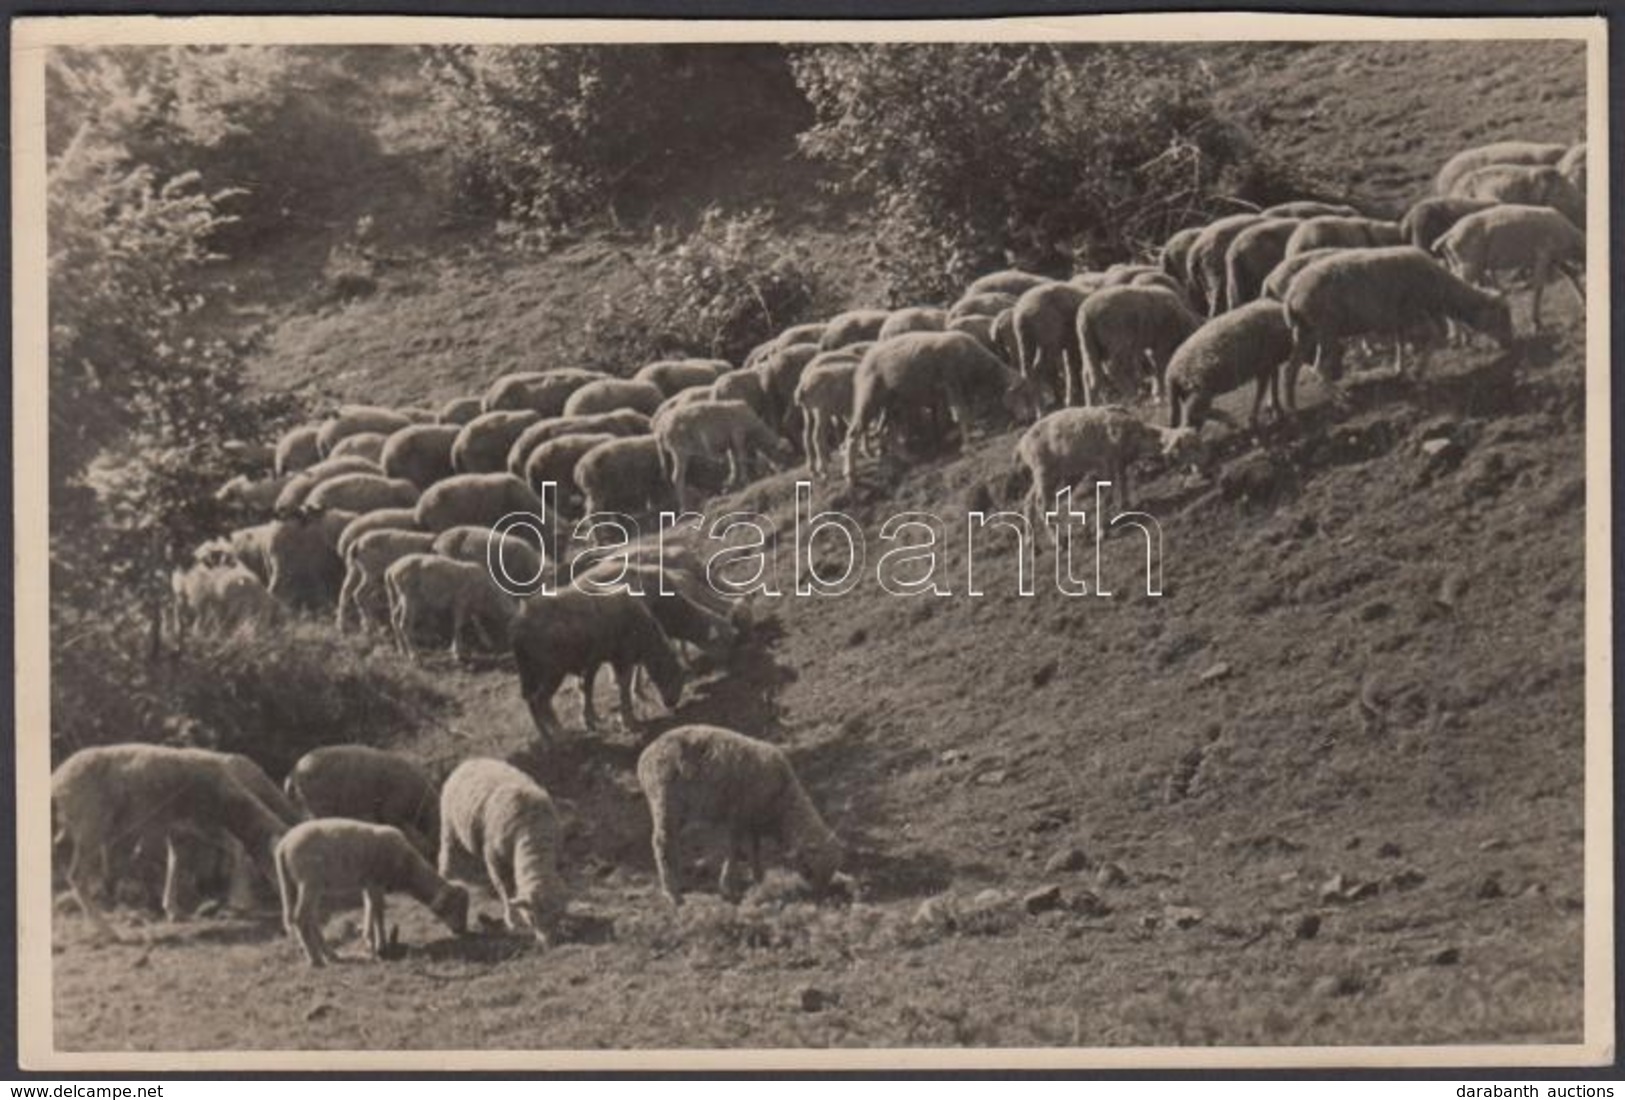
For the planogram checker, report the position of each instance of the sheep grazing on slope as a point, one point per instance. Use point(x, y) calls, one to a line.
point(852, 327)
point(1252, 256)
point(984, 304)
point(458, 411)
point(707, 428)
point(369, 445)
point(1176, 253)
point(1045, 324)
point(1069, 445)
point(675, 597)
point(1502, 152)
point(1533, 238)
point(368, 784)
point(544, 393)
point(714, 775)
point(977, 326)
point(1204, 262)
point(249, 497)
point(362, 493)
point(673, 376)
point(495, 814)
point(1525, 185)
point(555, 461)
point(1387, 291)
point(1246, 343)
point(298, 489)
point(251, 548)
point(824, 397)
point(622, 422)
point(106, 795)
point(212, 598)
point(306, 570)
point(505, 556)
point(1119, 328)
point(573, 633)
point(749, 386)
point(913, 319)
point(1306, 209)
point(421, 453)
point(479, 500)
point(1004, 282)
point(1282, 274)
point(329, 858)
point(1338, 232)
point(298, 450)
point(1430, 219)
point(365, 567)
point(426, 585)
point(379, 519)
point(781, 373)
point(624, 476)
point(483, 443)
point(1124, 274)
point(612, 394)
point(925, 370)
point(356, 419)
point(809, 333)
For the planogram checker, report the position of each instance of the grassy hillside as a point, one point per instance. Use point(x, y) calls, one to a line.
point(1326, 789)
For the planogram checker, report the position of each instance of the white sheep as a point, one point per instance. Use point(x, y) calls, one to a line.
point(1340, 232)
point(673, 376)
point(498, 815)
point(367, 784)
point(1004, 282)
point(218, 598)
point(363, 493)
point(458, 411)
point(297, 450)
point(356, 419)
point(541, 392)
point(482, 445)
point(705, 429)
point(1204, 263)
point(1122, 327)
point(612, 394)
point(1573, 166)
point(1527, 185)
point(824, 397)
point(1533, 238)
point(319, 862)
point(625, 475)
point(426, 585)
point(1068, 445)
point(1246, 343)
point(710, 774)
point(299, 487)
point(366, 564)
point(252, 497)
point(1500, 152)
point(1308, 209)
point(1252, 255)
point(1045, 321)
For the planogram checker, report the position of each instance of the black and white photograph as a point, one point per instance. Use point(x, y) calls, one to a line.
point(1061, 543)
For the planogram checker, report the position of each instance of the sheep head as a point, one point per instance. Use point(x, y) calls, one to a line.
point(450, 904)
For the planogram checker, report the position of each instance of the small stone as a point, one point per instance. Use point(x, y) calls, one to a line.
point(319, 1011)
point(1183, 916)
point(1150, 920)
point(993, 778)
point(1068, 859)
point(1045, 674)
point(1353, 842)
point(857, 637)
point(1450, 956)
point(1389, 850)
point(1043, 899)
point(1451, 589)
point(814, 999)
point(1334, 888)
point(1435, 447)
point(1214, 673)
point(1375, 611)
point(1109, 875)
point(1338, 985)
point(954, 756)
point(1363, 890)
point(1491, 888)
point(1308, 926)
point(1494, 845)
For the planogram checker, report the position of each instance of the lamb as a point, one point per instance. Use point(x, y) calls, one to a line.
point(1337, 232)
point(1281, 276)
point(494, 813)
point(1253, 255)
point(425, 584)
point(365, 566)
point(369, 445)
point(573, 633)
point(1525, 185)
point(506, 556)
point(106, 795)
point(356, 419)
point(363, 493)
point(481, 500)
point(297, 450)
point(459, 411)
point(251, 547)
point(781, 373)
point(555, 461)
point(1536, 238)
point(1246, 343)
point(1119, 326)
point(1573, 166)
point(851, 327)
point(298, 489)
point(247, 496)
point(913, 319)
point(610, 394)
point(621, 422)
point(1501, 152)
point(421, 453)
point(1430, 219)
point(541, 392)
point(624, 475)
point(673, 376)
point(368, 784)
point(1303, 209)
point(984, 304)
point(483, 443)
point(702, 773)
point(824, 397)
point(924, 369)
point(706, 428)
point(306, 570)
point(1174, 258)
point(749, 386)
point(380, 519)
point(1379, 290)
point(320, 860)
point(1045, 321)
point(1204, 272)
point(216, 598)
point(1070, 444)
point(1004, 282)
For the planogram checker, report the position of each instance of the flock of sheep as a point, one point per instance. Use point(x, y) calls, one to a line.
point(384, 518)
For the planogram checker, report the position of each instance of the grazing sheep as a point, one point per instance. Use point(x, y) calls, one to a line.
point(624, 476)
point(781, 373)
point(1252, 256)
point(365, 566)
point(1003, 333)
point(212, 598)
point(1525, 185)
point(1250, 342)
point(1379, 290)
point(496, 814)
point(369, 445)
point(706, 428)
point(673, 376)
point(1502, 238)
point(482, 445)
point(824, 397)
point(1119, 327)
point(979, 327)
point(621, 422)
point(104, 796)
point(1430, 219)
point(320, 861)
point(555, 461)
point(253, 498)
point(480, 500)
point(1088, 281)
point(368, 784)
point(502, 555)
point(1165, 281)
point(541, 392)
point(306, 570)
point(1045, 320)
point(573, 633)
point(610, 394)
point(1281, 276)
point(380, 519)
point(709, 774)
point(1068, 445)
point(1175, 255)
point(1004, 282)
point(984, 304)
point(809, 333)
point(1502, 152)
point(356, 419)
point(1304, 209)
point(681, 608)
point(1124, 274)
point(749, 386)
point(913, 319)
point(923, 370)
point(852, 327)
point(297, 450)
point(1573, 166)
point(459, 410)
point(427, 585)
point(421, 453)
point(1339, 232)
point(363, 493)
point(1204, 263)
point(251, 546)
point(298, 489)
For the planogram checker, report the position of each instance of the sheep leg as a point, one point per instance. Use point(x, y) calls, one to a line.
point(809, 436)
point(493, 872)
point(756, 856)
point(728, 881)
point(346, 594)
point(308, 921)
point(589, 716)
point(961, 412)
point(79, 880)
point(664, 842)
point(1574, 282)
point(543, 715)
point(623, 684)
point(372, 916)
point(172, 907)
point(1543, 272)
